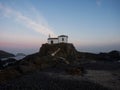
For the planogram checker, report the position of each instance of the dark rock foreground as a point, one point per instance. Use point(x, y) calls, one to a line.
point(48, 81)
point(56, 66)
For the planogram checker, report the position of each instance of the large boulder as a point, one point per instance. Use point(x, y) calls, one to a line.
point(114, 55)
point(65, 50)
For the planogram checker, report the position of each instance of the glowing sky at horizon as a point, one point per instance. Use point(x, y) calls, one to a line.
point(92, 25)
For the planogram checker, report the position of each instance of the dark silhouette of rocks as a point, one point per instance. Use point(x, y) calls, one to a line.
point(67, 51)
point(4, 54)
point(45, 81)
point(8, 60)
point(114, 55)
point(110, 56)
point(6, 63)
point(60, 58)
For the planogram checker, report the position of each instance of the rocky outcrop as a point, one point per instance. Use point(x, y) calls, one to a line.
point(114, 55)
point(51, 56)
point(61, 57)
point(110, 56)
point(5, 63)
point(4, 54)
point(66, 50)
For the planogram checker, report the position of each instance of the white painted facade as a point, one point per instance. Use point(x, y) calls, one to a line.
point(52, 40)
point(60, 39)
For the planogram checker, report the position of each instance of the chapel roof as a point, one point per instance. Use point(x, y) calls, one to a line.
point(52, 38)
point(63, 36)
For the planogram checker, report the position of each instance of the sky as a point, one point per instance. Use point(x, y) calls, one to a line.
point(91, 25)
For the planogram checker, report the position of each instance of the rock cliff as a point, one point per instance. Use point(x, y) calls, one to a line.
point(65, 50)
point(55, 57)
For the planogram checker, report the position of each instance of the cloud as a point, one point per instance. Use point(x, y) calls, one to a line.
point(41, 27)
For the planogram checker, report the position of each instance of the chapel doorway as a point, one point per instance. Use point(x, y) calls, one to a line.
point(51, 42)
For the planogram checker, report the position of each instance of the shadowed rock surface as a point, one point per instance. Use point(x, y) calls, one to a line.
point(42, 60)
point(32, 72)
point(46, 81)
point(110, 56)
point(67, 51)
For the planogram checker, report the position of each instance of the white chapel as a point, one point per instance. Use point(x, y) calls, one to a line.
point(59, 39)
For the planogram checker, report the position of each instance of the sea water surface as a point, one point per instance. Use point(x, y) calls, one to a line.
point(16, 57)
